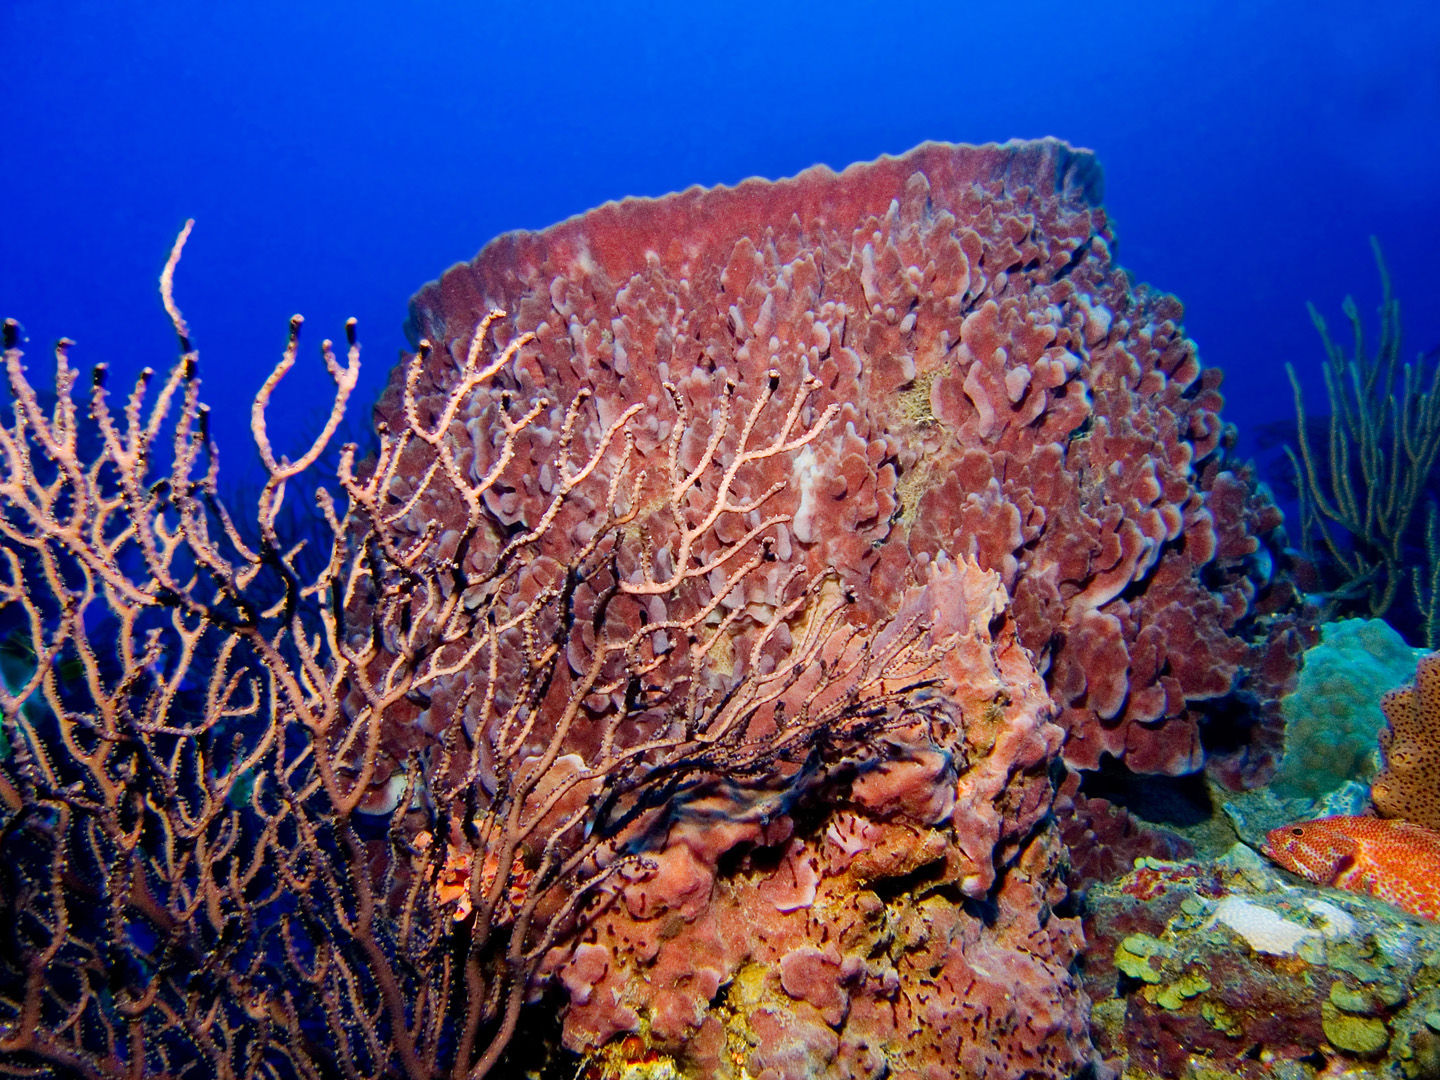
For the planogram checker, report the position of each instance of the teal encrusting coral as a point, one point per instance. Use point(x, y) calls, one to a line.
point(1333, 717)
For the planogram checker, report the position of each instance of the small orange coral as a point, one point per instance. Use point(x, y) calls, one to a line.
point(1408, 785)
point(454, 884)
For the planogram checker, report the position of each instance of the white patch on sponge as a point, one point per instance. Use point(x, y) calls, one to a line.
point(806, 477)
point(1263, 929)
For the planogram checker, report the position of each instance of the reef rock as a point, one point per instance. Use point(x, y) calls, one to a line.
point(1227, 970)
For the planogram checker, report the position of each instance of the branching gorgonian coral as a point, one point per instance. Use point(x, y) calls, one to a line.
point(235, 837)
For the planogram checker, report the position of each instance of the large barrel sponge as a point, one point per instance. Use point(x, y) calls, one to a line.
point(1005, 392)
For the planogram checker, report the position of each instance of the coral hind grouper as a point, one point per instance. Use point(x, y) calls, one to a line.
point(1393, 860)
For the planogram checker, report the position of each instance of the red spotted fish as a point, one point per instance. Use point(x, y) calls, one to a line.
point(1393, 860)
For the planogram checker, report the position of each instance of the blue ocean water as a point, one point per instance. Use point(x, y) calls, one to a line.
point(337, 156)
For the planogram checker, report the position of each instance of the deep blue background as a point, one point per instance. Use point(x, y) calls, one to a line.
point(337, 156)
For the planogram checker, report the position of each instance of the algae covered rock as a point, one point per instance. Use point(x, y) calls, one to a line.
point(1224, 969)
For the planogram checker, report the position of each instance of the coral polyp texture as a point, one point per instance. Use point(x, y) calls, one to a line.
point(1004, 392)
point(1408, 784)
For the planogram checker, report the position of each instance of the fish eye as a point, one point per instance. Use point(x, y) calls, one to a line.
point(1297, 831)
